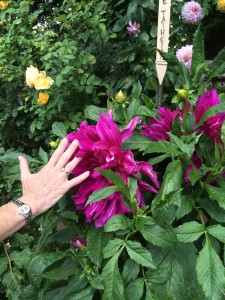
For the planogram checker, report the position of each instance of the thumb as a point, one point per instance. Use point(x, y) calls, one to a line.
point(24, 167)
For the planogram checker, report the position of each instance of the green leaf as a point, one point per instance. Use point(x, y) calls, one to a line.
point(130, 270)
point(183, 147)
point(213, 209)
point(102, 194)
point(96, 241)
point(136, 91)
point(156, 235)
point(161, 147)
point(43, 155)
point(198, 56)
point(135, 289)
point(117, 222)
point(217, 231)
point(217, 194)
point(137, 141)
point(92, 112)
point(114, 178)
point(112, 280)
point(210, 272)
point(58, 80)
point(12, 158)
point(189, 232)
point(218, 64)
point(85, 294)
point(38, 264)
point(139, 254)
point(223, 133)
point(171, 183)
point(59, 129)
point(158, 159)
point(3, 265)
point(60, 274)
point(112, 248)
point(21, 258)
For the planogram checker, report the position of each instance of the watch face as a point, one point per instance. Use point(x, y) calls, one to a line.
point(24, 209)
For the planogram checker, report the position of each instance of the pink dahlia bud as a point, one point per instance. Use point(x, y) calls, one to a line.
point(191, 12)
point(184, 55)
point(80, 243)
point(133, 29)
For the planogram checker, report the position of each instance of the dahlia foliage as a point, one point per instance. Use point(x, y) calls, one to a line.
point(100, 147)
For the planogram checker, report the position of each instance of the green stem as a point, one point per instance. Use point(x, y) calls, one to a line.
point(184, 123)
point(10, 266)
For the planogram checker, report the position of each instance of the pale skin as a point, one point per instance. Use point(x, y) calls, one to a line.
point(44, 189)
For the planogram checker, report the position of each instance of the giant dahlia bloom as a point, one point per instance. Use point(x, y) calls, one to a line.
point(184, 55)
point(191, 12)
point(100, 147)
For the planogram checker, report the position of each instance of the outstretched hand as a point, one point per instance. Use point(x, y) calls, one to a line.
point(43, 189)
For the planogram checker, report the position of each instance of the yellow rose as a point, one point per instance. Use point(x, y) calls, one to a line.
point(31, 75)
point(120, 97)
point(1, 23)
point(43, 98)
point(42, 82)
point(3, 5)
point(221, 5)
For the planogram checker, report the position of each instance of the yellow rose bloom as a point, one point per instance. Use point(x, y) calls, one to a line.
point(1, 23)
point(42, 82)
point(221, 5)
point(120, 97)
point(4, 5)
point(31, 75)
point(43, 98)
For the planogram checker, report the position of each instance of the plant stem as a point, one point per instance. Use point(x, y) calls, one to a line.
point(184, 123)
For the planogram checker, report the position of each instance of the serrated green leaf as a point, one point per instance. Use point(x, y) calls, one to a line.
point(112, 280)
point(85, 294)
point(217, 194)
point(21, 258)
point(117, 222)
point(112, 248)
point(114, 178)
point(12, 158)
point(96, 241)
point(130, 270)
point(155, 234)
point(59, 129)
point(189, 232)
point(135, 289)
point(217, 231)
point(213, 209)
point(183, 147)
point(198, 56)
point(60, 274)
point(101, 194)
point(161, 147)
point(139, 254)
point(137, 141)
point(3, 265)
point(38, 264)
point(210, 272)
point(218, 64)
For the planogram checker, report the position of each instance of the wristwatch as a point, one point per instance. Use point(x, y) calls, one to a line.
point(23, 209)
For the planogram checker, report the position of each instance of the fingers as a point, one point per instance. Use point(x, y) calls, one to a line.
point(58, 152)
point(72, 164)
point(65, 157)
point(77, 180)
point(24, 167)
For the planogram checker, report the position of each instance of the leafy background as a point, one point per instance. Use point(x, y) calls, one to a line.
point(84, 45)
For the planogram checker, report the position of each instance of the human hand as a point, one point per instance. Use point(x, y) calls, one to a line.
point(43, 189)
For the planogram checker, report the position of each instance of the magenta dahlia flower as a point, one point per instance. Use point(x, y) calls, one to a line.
point(100, 147)
point(133, 29)
point(184, 55)
point(158, 129)
point(191, 12)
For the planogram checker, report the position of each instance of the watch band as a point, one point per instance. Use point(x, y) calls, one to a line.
point(23, 209)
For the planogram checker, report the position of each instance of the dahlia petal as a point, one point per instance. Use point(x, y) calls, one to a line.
point(129, 129)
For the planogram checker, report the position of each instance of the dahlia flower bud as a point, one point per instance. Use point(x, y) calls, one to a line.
point(4, 5)
point(31, 75)
point(182, 94)
point(42, 82)
point(120, 97)
point(221, 5)
point(53, 144)
point(43, 98)
point(80, 243)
